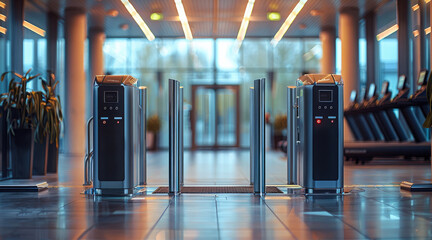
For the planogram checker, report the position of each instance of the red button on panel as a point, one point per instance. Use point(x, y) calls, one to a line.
point(318, 121)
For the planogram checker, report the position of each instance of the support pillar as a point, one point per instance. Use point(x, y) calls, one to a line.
point(52, 36)
point(75, 95)
point(349, 35)
point(404, 62)
point(371, 53)
point(16, 35)
point(328, 42)
point(96, 42)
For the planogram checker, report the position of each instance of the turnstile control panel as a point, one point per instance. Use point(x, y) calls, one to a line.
point(111, 132)
point(325, 133)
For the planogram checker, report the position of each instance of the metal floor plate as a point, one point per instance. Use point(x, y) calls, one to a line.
point(218, 189)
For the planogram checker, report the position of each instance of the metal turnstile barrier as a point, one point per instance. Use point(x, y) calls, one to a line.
point(143, 131)
point(257, 145)
point(88, 159)
point(175, 122)
point(119, 108)
point(291, 136)
point(315, 134)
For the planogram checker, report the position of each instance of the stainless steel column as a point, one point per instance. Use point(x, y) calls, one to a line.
point(259, 134)
point(291, 135)
point(251, 133)
point(181, 163)
point(173, 114)
point(143, 131)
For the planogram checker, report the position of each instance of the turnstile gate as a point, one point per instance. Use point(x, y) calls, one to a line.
point(315, 133)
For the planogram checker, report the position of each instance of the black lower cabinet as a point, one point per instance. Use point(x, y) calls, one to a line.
point(40, 157)
point(53, 153)
point(21, 147)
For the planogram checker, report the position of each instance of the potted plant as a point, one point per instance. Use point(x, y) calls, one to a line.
point(153, 127)
point(51, 120)
point(279, 125)
point(18, 106)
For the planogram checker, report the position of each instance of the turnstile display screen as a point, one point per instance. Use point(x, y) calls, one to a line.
point(111, 97)
point(325, 95)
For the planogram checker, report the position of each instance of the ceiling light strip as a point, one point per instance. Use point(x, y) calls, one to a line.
point(183, 19)
point(34, 28)
point(2, 18)
point(416, 33)
point(3, 30)
point(245, 22)
point(387, 32)
point(427, 30)
point(415, 7)
point(427, 1)
point(285, 26)
point(138, 19)
point(2, 5)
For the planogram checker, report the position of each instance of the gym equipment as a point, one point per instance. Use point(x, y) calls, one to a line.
point(386, 109)
point(319, 131)
point(349, 116)
point(116, 140)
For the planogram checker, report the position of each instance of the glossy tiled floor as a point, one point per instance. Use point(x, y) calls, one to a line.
point(369, 211)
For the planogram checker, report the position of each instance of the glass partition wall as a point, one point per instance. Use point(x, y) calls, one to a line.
point(213, 62)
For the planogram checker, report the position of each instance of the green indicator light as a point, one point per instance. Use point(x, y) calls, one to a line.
point(273, 16)
point(156, 16)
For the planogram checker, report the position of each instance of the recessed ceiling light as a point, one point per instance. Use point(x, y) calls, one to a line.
point(427, 30)
point(245, 22)
point(273, 16)
point(315, 12)
point(387, 32)
point(183, 19)
point(34, 28)
point(112, 13)
point(156, 16)
point(138, 19)
point(284, 28)
point(415, 7)
point(124, 27)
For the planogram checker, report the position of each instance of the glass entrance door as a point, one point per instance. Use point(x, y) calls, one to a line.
point(215, 116)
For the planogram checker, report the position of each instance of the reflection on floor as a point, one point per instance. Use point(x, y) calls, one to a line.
point(375, 208)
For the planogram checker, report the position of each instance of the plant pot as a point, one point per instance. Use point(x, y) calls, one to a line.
point(53, 154)
point(21, 152)
point(40, 157)
point(150, 140)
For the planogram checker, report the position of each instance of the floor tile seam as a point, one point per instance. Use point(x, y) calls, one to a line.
point(69, 203)
point(344, 222)
point(86, 231)
point(217, 217)
point(279, 219)
point(402, 210)
point(163, 213)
